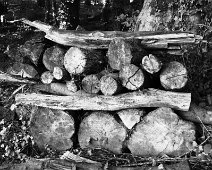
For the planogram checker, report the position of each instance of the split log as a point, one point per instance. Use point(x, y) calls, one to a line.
point(58, 88)
point(101, 130)
point(131, 77)
point(110, 84)
point(130, 117)
point(101, 40)
point(53, 57)
point(71, 86)
point(91, 84)
point(162, 132)
point(52, 127)
point(4, 77)
point(137, 99)
point(174, 76)
point(197, 114)
point(151, 64)
point(78, 61)
point(60, 73)
point(23, 70)
point(47, 77)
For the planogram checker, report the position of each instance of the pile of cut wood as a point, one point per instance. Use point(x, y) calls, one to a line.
point(131, 99)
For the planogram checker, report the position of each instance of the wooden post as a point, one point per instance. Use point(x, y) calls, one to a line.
point(174, 76)
point(78, 61)
point(131, 77)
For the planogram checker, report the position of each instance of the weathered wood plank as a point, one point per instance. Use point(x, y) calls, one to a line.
point(146, 98)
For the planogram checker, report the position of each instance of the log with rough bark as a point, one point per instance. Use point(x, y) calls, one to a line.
point(4, 77)
point(100, 129)
point(151, 64)
point(47, 77)
point(78, 61)
point(91, 83)
point(174, 76)
point(162, 132)
point(197, 114)
point(101, 40)
point(52, 127)
point(131, 77)
point(137, 99)
point(110, 84)
point(53, 57)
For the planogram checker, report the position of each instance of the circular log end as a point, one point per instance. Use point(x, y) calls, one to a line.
point(108, 85)
point(75, 61)
point(91, 84)
point(58, 73)
point(151, 64)
point(174, 76)
point(131, 77)
point(47, 77)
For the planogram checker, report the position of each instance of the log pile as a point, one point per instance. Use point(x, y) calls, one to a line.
point(107, 82)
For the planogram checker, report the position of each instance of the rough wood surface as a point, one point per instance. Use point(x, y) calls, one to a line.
point(53, 57)
point(145, 98)
point(47, 77)
point(71, 86)
point(174, 76)
point(101, 130)
point(110, 84)
point(151, 64)
point(131, 77)
point(101, 40)
point(78, 61)
point(52, 127)
point(162, 132)
point(197, 114)
point(91, 84)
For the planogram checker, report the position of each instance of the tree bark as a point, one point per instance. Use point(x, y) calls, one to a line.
point(100, 129)
point(47, 77)
point(131, 77)
point(91, 84)
point(145, 98)
point(110, 84)
point(78, 61)
point(53, 57)
point(151, 64)
point(174, 76)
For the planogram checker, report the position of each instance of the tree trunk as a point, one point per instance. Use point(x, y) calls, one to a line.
point(162, 132)
point(174, 76)
point(53, 57)
point(47, 77)
point(91, 84)
point(110, 84)
point(131, 77)
point(78, 61)
point(52, 127)
point(100, 129)
point(151, 64)
point(137, 99)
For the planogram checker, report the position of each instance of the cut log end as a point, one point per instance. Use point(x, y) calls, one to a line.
point(91, 84)
point(174, 76)
point(151, 64)
point(109, 85)
point(58, 73)
point(131, 77)
point(47, 77)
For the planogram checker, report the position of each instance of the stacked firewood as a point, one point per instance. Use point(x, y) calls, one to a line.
point(130, 98)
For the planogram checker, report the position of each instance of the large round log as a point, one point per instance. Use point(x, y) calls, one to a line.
point(162, 132)
point(101, 130)
point(174, 76)
point(151, 64)
point(131, 77)
point(110, 84)
point(52, 127)
point(78, 61)
point(53, 57)
point(91, 84)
